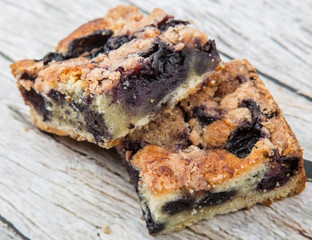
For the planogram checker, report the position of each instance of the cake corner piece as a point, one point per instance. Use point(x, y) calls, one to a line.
point(114, 74)
point(225, 148)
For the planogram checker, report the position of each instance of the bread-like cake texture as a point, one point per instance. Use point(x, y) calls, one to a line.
point(224, 148)
point(114, 74)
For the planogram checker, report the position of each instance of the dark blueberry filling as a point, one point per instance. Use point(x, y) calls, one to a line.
point(112, 43)
point(229, 86)
point(37, 101)
point(202, 116)
point(56, 96)
point(185, 115)
point(134, 175)
point(212, 199)
point(53, 56)
point(170, 22)
point(241, 79)
point(28, 77)
point(88, 99)
point(132, 146)
point(152, 226)
point(94, 122)
point(183, 140)
point(95, 43)
point(243, 140)
point(247, 135)
point(272, 114)
point(179, 205)
point(206, 58)
point(161, 72)
point(88, 43)
point(281, 169)
point(187, 203)
point(253, 108)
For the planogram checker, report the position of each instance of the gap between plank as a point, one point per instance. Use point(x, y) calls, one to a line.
point(13, 228)
point(6, 57)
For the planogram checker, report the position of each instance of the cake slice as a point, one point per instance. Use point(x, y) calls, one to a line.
point(114, 74)
point(224, 148)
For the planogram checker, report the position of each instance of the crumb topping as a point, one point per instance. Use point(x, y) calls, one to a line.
point(186, 147)
point(193, 168)
point(129, 35)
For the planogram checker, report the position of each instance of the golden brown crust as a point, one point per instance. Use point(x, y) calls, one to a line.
point(195, 169)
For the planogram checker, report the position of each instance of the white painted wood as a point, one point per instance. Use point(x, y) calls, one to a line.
point(55, 188)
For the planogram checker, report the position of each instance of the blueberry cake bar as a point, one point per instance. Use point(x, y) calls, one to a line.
point(224, 148)
point(114, 74)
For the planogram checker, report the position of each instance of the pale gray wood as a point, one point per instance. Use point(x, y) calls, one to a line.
point(55, 188)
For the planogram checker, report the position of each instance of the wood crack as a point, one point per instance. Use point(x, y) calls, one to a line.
point(77, 195)
point(205, 236)
point(6, 57)
point(98, 162)
point(32, 222)
point(289, 50)
point(293, 225)
point(19, 116)
point(284, 85)
point(13, 228)
point(308, 169)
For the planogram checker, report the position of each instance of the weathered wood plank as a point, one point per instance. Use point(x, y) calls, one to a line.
point(55, 188)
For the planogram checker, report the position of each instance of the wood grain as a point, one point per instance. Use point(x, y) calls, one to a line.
point(55, 188)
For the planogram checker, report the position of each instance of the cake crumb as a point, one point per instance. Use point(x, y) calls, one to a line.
point(26, 129)
point(106, 230)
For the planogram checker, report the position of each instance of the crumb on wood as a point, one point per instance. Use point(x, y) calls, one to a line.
point(106, 230)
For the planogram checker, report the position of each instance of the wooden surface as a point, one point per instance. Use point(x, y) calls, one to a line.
point(55, 188)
